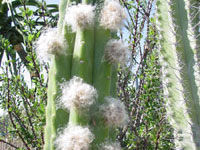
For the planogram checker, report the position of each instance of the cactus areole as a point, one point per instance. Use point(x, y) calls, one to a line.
point(82, 109)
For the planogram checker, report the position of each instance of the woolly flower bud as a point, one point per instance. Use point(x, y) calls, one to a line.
point(112, 15)
point(80, 16)
point(78, 94)
point(74, 138)
point(112, 146)
point(116, 52)
point(114, 112)
point(50, 43)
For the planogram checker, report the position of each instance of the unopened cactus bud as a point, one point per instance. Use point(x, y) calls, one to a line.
point(116, 52)
point(80, 16)
point(77, 94)
point(74, 138)
point(112, 15)
point(114, 112)
point(50, 43)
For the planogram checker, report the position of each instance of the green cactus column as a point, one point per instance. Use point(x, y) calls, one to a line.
point(180, 81)
point(102, 81)
point(194, 27)
point(57, 74)
point(83, 60)
point(81, 113)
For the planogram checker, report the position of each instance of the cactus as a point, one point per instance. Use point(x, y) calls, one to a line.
point(82, 112)
point(178, 25)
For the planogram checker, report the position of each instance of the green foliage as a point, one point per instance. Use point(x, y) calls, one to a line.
point(149, 127)
point(23, 81)
point(140, 85)
point(20, 21)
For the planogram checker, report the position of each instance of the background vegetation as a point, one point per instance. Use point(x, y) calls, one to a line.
point(23, 79)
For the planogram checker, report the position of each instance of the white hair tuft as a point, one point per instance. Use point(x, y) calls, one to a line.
point(80, 16)
point(74, 138)
point(77, 94)
point(114, 112)
point(50, 43)
point(116, 52)
point(112, 15)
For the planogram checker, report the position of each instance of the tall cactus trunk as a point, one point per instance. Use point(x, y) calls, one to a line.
point(54, 118)
point(87, 66)
point(193, 7)
point(180, 71)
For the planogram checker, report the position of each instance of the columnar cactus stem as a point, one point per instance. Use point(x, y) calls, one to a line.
point(181, 83)
point(102, 68)
point(82, 63)
point(104, 80)
point(57, 74)
point(193, 6)
point(87, 67)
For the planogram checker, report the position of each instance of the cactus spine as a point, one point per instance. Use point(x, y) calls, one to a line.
point(180, 70)
point(78, 74)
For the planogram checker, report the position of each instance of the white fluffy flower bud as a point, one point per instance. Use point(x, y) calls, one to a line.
point(80, 16)
point(114, 112)
point(77, 94)
point(74, 138)
point(112, 15)
point(116, 52)
point(50, 43)
point(112, 146)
